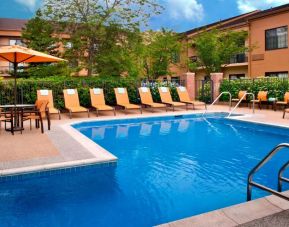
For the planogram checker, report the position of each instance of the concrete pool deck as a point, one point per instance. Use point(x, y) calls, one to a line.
point(64, 146)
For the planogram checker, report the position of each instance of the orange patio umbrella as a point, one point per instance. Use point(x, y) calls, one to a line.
point(19, 54)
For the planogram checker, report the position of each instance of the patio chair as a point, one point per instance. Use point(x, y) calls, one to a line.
point(285, 102)
point(240, 96)
point(122, 100)
point(147, 99)
point(185, 98)
point(261, 97)
point(38, 114)
point(71, 102)
point(98, 101)
point(47, 95)
point(6, 117)
point(166, 98)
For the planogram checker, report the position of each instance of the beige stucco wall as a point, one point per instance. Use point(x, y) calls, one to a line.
point(235, 70)
point(274, 60)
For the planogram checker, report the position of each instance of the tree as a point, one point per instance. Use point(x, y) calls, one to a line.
point(38, 35)
point(119, 53)
point(160, 50)
point(215, 48)
point(87, 22)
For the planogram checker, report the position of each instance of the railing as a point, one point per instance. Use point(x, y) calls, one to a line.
point(251, 183)
point(217, 99)
point(238, 58)
point(253, 103)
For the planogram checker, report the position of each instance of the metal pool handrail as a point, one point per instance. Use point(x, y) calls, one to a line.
point(253, 103)
point(230, 102)
point(251, 183)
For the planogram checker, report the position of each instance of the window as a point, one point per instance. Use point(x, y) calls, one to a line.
point(175, 79)
point(15, 42)
point(236, 76)
point(277, 74)
point(175, 57)
point(193, 59)
point(277, 38)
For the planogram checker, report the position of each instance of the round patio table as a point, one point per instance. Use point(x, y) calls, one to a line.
point(17, 109)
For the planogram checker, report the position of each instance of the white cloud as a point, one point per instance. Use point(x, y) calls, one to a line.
point(30, 4)
point(190, 10)
point(245, 6)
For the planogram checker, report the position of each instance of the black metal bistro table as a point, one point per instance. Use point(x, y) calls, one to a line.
point(17, 111)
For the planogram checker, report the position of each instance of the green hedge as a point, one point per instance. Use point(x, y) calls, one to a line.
point(27, 89)
point(276, 87)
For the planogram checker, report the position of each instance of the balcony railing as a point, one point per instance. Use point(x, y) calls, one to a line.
point(238, 58)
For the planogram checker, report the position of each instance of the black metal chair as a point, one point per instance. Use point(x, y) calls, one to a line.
point(7, 117)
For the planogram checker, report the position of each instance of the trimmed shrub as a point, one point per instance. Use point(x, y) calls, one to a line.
point(276, 87)
point(27, 89)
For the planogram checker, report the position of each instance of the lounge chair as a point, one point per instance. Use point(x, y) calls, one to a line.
point(47, 95)
point(147, 99)
point(261, 97)
point(123, 100)
point(166, 98)
point(240, 96)
point(71, 101)
point(98, 100)
point(185, 98)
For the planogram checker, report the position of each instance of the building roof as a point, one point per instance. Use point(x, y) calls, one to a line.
point(225, 23)
point(271, 11)
point(241, 19)
point(11, 24)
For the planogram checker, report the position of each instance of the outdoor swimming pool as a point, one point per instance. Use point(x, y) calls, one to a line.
point(169, 168)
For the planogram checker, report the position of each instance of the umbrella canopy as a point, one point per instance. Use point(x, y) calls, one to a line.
point(19, 54)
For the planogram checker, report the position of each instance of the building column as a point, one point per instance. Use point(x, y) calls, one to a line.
point(190, 83)
point(217, 79)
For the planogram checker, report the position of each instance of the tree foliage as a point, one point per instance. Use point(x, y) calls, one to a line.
point(215, 48)
point(93, 25)
point(38, 35)
point(161, 49)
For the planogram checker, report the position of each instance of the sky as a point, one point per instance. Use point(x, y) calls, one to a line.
point(178, 15)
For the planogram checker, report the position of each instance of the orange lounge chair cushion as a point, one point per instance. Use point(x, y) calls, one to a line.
point(155, 105)
point(77, 109)
point(286, 97)
point(102, 107)
point(97, 97)
point(53, 110)
point(241, 94)
point(46, 95)
point(196, 103)
point(175, 103)
point(262, 96)
point(130, 106)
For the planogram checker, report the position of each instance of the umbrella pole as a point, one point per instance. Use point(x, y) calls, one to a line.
point(15, 83)
point(16, 118)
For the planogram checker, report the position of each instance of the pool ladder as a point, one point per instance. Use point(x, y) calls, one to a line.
point(241, 99)
point(281, 179)
point(217, 99)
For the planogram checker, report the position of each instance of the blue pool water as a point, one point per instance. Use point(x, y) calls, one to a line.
point(168, 168)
